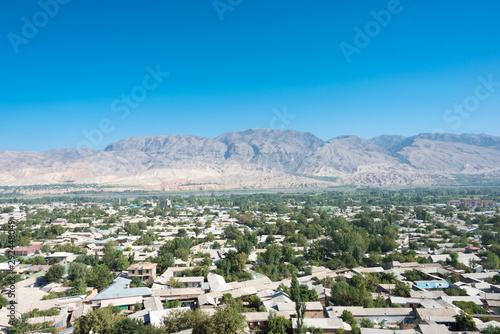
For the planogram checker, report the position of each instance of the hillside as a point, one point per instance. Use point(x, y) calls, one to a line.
point(264, 158)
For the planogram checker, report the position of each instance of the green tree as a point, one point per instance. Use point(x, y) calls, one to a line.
point(225, 321)
point(278, 324)
point(238, 262)
point(54, 274)
point(36, 260)
point(295, 289)
point(491, 330)
point(415, 275)
point(121, 262)
point(272, 256)
point(402, 289)
point(465, 322)
point(182, 253)
point(308, 295)
point(300, 306)
point(245, 246)
point(77, 275)
point(456, 291)
point(171, 304)
point(454, 258)
point(366, 323)
point(288, 254)
point(353, 294)
point(175, 283)
point(470, 307)
point(19, 326)
point(178, 320)
point(164, 260)
point(181, 233)
point(109, 255)
point(300, 309)
point(3, 301)
point(98, 321)
point(492, 261)
point(136, 282)
point(99, 277)
point(348, 317)
point(138, 306)
point(128, 326)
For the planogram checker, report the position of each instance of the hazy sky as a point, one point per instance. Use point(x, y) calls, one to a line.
point(84, 72)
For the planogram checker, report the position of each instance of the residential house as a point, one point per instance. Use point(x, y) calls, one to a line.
point(328, 325)
point(120, 294)
point(27, 250)
point(143, 270)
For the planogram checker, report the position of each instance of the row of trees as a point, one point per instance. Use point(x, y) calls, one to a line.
point(80, 277)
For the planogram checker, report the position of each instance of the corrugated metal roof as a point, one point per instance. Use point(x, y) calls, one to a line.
point(120, 289)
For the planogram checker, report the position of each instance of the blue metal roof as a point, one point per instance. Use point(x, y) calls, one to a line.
point(432, 284)
point(119, 289)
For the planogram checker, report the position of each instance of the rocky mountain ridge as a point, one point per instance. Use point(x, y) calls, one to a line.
point(263, 158)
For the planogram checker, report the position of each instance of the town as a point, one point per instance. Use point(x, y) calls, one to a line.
point(367, 261)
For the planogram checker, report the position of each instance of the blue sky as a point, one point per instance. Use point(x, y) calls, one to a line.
point(235, 65)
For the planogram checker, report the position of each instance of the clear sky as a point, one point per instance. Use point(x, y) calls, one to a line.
point(79, 72)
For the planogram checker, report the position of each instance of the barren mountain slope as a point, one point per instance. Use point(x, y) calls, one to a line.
point(262, 158)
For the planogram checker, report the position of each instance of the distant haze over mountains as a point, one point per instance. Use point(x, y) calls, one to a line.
point(264, 158)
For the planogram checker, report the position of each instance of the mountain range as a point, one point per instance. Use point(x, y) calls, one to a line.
point(264, 158)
